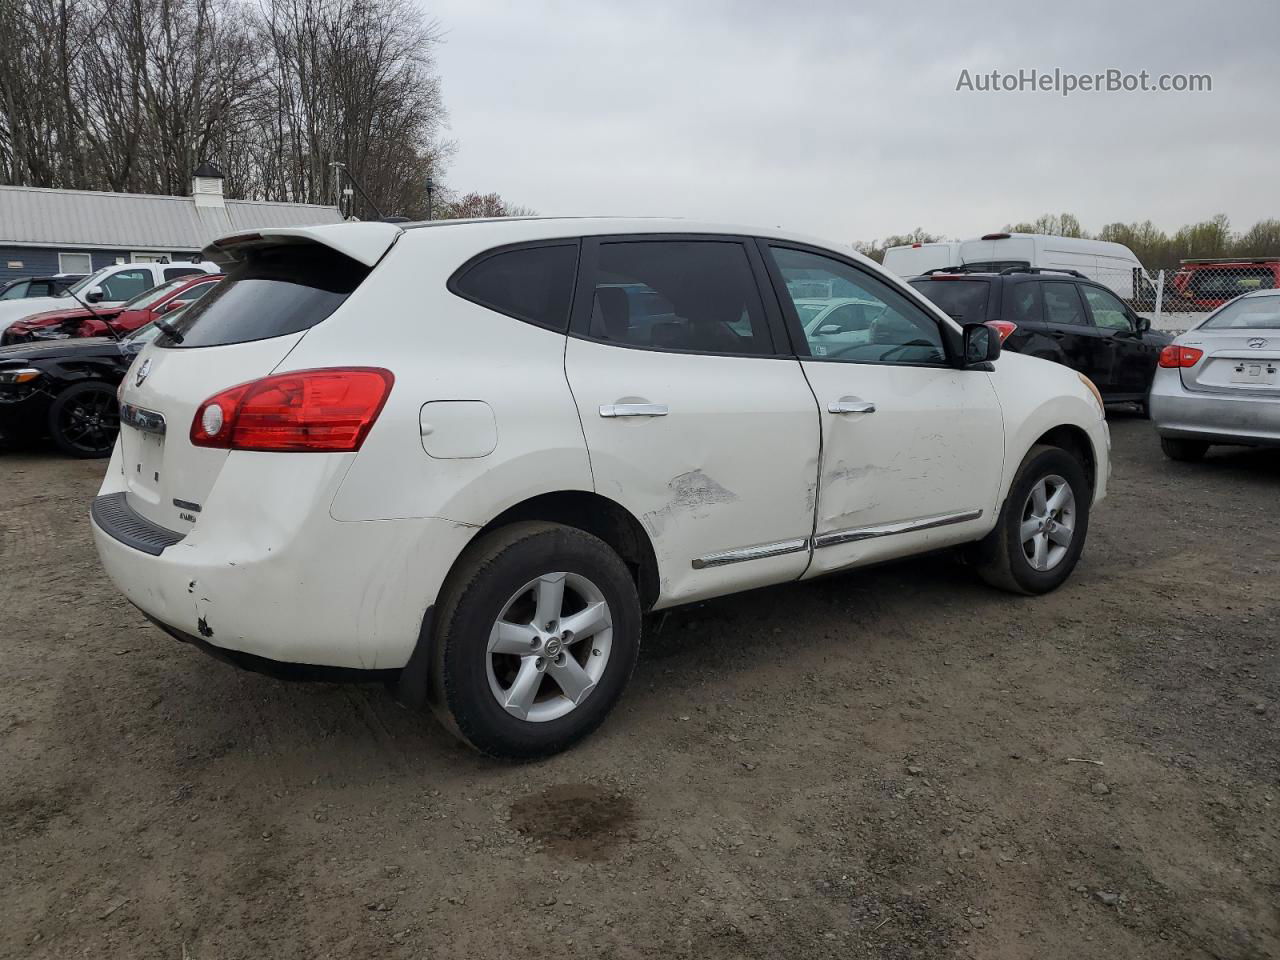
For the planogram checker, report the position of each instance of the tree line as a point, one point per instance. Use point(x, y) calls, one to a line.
point(133, 95)
point(1154, 248)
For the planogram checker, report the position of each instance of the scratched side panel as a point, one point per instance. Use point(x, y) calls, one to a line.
point(733, 464)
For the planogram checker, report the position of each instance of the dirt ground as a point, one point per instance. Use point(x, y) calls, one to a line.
point(873, 765)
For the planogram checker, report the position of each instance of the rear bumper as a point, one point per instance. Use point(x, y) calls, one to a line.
point(283, 581)
point(1216, 418)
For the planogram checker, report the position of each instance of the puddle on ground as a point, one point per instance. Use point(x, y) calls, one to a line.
point(576, 819)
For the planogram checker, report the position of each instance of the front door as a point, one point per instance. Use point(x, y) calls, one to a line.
point(696, 419)
point(912, 447)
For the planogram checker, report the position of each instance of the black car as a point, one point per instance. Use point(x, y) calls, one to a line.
point(25, 287)
point(1059, 315)
point(66, 390)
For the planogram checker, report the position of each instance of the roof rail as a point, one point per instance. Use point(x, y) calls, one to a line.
point(928, 273)
point(1011, 270)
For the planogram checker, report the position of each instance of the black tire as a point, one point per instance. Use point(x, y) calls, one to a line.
point(84, 420)
point(1189, 451)
point(1000, 558)
point(487, 575)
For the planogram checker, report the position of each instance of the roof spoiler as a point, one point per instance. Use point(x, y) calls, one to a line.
point(364, 242)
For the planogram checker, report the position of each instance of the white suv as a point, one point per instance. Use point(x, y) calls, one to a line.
point(469, 456)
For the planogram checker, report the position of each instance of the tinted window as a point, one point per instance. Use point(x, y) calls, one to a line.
point(40, 288)
point(1023, 303)
point(126, 284)
point(171, 273)
point(965, 300)
point(1062, 305)
point(1108, 311)
point(871, 322)
point(17, 292)
point(678, 295)
point(272, 292)
point(534, 284)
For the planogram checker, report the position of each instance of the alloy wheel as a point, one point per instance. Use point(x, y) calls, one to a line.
point(1048, 522)
point(90, 423)
point(549, 647)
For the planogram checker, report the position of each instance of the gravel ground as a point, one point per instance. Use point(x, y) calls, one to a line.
point(873, 765)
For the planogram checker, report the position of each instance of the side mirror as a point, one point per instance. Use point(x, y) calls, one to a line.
point(171, 306)
point(94, 295)
point(981, 344)
point(1141, 324)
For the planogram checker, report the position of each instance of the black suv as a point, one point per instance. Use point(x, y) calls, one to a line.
point(1059, 315)
point(24, 288)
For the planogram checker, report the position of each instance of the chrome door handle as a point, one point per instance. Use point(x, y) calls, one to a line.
point(851, 405)
point(633, 409)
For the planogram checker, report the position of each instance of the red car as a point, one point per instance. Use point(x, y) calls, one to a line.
point(141, 310)
point(1208, 284)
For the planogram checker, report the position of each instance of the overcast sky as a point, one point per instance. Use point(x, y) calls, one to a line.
point(842, 119)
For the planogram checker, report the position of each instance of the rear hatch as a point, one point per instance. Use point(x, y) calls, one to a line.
point(278, 285)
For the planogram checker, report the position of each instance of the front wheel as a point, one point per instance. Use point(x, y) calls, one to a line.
point(84, 420)
point(1042, 526)
point(538, 631)
point(1176, 448)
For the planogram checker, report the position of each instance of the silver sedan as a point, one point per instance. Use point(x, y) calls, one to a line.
point(1218, 382)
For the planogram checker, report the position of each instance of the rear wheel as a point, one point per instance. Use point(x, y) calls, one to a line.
point(1176, 448)
point(538, 631)
point(84, 420)
point(1042, 527)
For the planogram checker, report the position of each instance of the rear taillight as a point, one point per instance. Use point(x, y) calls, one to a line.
point(1175, 356)
point(1003, 327)
point(328, 410)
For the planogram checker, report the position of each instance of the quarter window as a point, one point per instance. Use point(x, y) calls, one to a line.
point(847, 314)
point(696, 295)
point(1062, 305)
point(1108, 311)
point(534, 284)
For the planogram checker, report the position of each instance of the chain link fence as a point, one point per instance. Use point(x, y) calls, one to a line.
point(1174, 298)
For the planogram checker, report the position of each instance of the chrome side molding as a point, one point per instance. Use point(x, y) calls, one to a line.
point(889, 529)
point(758, 552)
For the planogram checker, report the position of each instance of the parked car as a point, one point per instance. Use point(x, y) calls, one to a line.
point(65, 390)
point(1208, 284)
point(108, 288)
point(61, 324)
point(1060, 316)
point(1217, 383)
point(23, 288)
point(542, 470)
point(1113, 265)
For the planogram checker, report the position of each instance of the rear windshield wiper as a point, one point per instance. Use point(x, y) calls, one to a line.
point(169, 331)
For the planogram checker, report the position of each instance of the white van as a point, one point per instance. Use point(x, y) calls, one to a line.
point(913, 259)
point(1111, 264)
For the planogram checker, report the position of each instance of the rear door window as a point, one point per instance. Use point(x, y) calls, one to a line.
point(1062, 305)
point(533, 284)
point(274, 291)
point(1023, 302)
point(688, 295)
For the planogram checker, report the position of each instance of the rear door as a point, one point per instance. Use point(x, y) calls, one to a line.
point(275, 290)
point(696, 418)
point(1067, 321)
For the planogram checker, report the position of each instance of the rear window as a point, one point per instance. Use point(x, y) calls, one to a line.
point(275, 291)
point(964, 300)
point(1248, 313)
